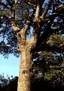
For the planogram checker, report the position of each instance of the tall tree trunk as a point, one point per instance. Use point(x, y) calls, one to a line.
point(24, 80)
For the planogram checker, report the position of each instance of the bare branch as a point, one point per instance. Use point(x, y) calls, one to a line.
point(46, 10)
point(16, 1)
point(38, 7)
point(60, 9)
point(30, 4)
point(14, 26)
point(22, 33)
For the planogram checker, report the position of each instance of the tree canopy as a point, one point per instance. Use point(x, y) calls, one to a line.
point(34, 28)
point(51, 23)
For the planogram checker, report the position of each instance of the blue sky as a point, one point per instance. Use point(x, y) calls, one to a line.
point(9, 66)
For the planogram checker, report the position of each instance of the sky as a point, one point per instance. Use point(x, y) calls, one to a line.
point(9, 66)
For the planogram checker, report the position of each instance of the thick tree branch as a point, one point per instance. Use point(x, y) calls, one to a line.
point(37, 21)
point(38, 9)
point(14, 26)
point(21, 35)
point(12, 15)
point(33, 41)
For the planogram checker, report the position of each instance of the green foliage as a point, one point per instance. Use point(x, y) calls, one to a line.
point(4, 13)
point(51, 74)
point(46, 53)
point(51, 64)
point(17, 6)
point(55, 40)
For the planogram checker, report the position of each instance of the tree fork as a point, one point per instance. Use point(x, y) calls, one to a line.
point(25, 47)
point(24, 81)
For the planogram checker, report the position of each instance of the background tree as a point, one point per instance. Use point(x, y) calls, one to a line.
point(38, 22)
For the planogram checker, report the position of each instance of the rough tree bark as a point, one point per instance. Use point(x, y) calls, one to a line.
point(25, 47)
point(25, 70)
point(24, 80)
